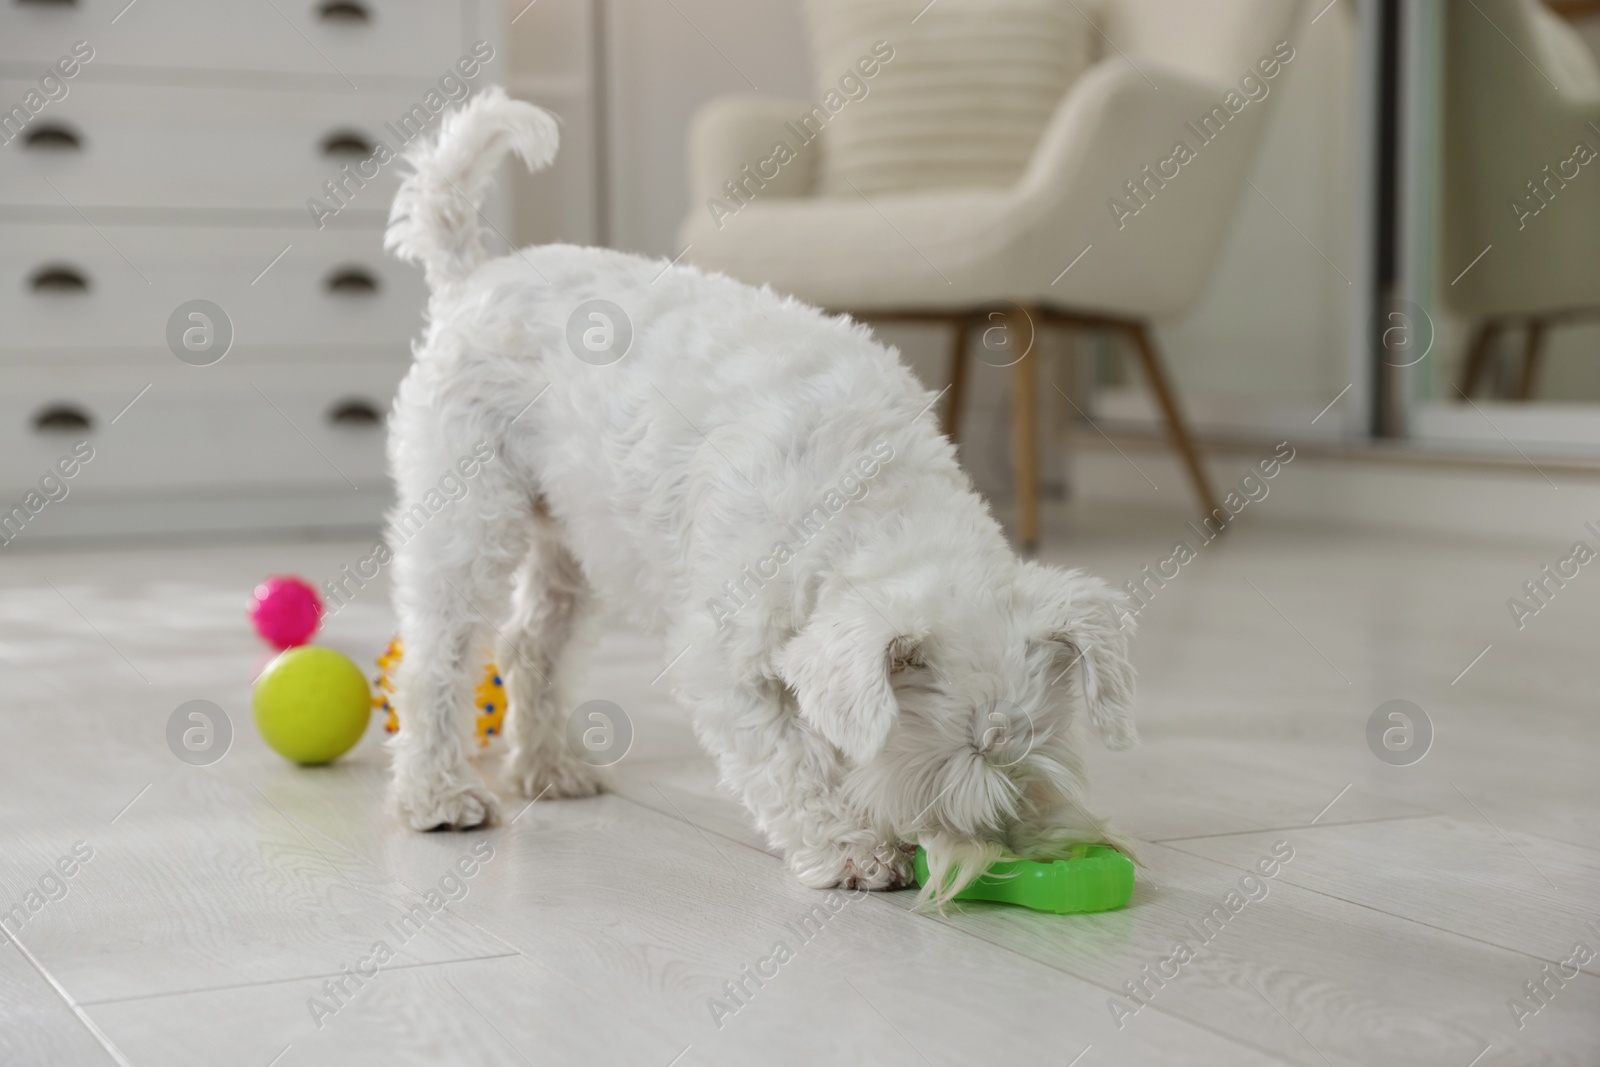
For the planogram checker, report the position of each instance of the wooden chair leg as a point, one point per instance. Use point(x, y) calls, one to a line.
point(958, 378)
point(1024, 429)
point(1156, 375)
point(1477, 358)
point(1532, 353)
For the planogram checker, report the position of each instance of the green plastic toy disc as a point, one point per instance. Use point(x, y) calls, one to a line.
point(1089, 878)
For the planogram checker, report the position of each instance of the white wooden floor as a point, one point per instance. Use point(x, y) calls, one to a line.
point(1419, 900)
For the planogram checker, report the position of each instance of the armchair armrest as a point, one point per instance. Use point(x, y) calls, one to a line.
point(1108, 171)
point(729, 133)
point(1563, 52)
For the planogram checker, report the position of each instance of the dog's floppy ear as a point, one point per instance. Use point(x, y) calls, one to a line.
point(839, 667)
point(1089, 622)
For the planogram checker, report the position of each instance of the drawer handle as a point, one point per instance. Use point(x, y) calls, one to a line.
point(53, 137)
point(59, 279)
point(355, 414)
point(346, 11)
point(62, 418)
point(352, 281)
point(347, 143)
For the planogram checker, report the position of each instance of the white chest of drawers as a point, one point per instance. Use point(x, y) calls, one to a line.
point(185, 159)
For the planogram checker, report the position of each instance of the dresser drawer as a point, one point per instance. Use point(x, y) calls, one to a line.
point(197, 428)
point(149, 147)
point(69, 287)
point(341, 39)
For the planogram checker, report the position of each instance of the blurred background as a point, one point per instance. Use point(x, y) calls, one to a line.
point(194, 154)
point(1326, 267)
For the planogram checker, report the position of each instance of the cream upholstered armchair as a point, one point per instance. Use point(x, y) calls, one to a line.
point(1109, 224)
point(1521, 217)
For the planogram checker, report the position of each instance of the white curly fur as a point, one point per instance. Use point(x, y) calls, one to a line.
point(904, 678)
point(434, 218)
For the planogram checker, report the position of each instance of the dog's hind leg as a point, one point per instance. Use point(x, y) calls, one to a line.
point(540, 654)
point(452, 571)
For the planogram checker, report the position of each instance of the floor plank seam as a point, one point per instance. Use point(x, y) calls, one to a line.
point(294, 978)
point(885, 901)
point(74, 1006)
point(685, 821)
point(705, 829)
point(389, 874)
point(1592, 849)
point(515, 951)
point(1197, 1023)
point(1286, 829)
point(1165, 842)
point(1543, 838)
point(1389, 914)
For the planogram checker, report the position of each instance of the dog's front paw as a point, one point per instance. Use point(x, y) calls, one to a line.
point(852, 865)
point(443, 803)
point(534, 775)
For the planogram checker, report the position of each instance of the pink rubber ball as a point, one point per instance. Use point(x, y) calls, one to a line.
point(286, 611)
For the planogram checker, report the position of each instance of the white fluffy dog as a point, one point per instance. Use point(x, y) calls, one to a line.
point(763, 485)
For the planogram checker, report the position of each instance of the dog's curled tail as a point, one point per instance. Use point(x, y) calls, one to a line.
point(434, 220)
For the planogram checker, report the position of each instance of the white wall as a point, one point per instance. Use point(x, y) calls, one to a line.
point(551, 44)
point(1274, 323)
point(668, 57)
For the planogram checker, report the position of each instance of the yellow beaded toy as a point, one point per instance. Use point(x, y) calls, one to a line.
point(490, 697)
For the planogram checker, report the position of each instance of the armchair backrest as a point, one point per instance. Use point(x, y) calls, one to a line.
point(1210, 40)
point(1521, 90)
point(1110, 152)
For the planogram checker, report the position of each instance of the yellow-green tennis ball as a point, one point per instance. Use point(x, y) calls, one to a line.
point(312, 704)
